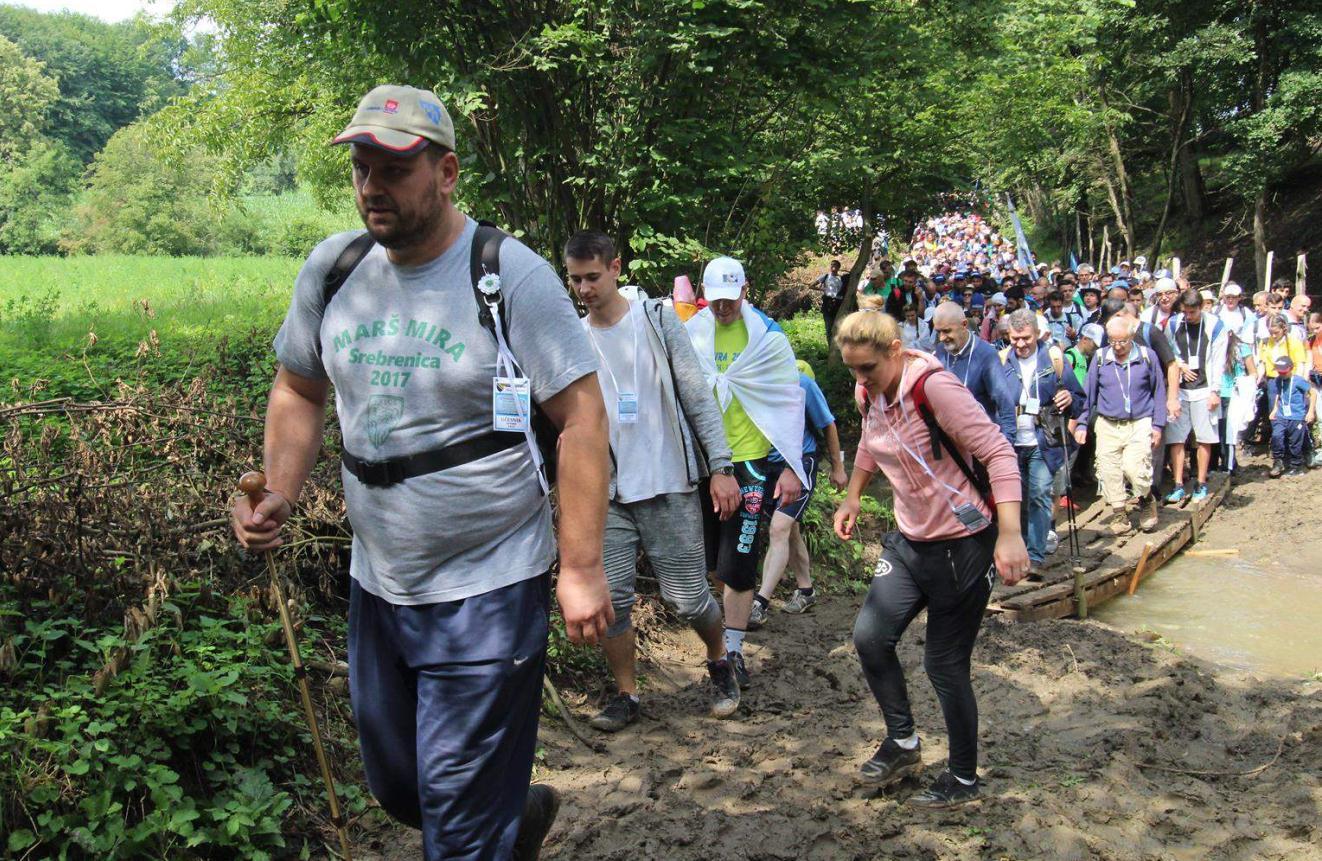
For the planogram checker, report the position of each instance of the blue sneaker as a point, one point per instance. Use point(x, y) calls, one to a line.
point(1175, 496)
point(1200, 493)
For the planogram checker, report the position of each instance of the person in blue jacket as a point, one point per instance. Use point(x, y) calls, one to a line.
point(974, 361)
point(1044, 389)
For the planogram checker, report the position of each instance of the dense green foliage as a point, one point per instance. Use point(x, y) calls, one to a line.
point(108, 74)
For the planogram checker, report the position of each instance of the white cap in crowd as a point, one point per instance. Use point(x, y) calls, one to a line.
point(998, 299)
point(1208, 295)
point(1166, 285)
point(723, 279)
point(1232, 289)
point(1093, 332)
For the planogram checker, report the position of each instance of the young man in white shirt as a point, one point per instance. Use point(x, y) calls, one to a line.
point(666, 435)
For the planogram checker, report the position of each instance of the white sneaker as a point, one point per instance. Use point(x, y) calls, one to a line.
point(1053, 541)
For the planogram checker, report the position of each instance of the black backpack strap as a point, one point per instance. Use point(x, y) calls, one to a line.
point(343, 267)
point(976, 474)
point(348, 261)
point(484, 259)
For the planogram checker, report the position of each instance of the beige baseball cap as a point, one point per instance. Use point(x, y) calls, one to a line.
point(400, 120)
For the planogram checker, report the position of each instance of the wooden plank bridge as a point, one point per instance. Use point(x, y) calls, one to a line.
point(1108, 562)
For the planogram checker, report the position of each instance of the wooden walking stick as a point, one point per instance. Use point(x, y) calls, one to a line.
point(254, 485)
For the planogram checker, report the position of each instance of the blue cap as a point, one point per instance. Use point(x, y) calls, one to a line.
point(938, 279)
point(1120, 282)
point(979, 300)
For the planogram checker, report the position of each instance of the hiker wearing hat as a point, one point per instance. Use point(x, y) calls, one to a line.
point(749, 365)
point(785, 544)
point(1230, 311)
point(1294, 407)
point(1090, 298)
point(1199, 341)
point(453, 534)
point(1164, 312)
point(1125, 406)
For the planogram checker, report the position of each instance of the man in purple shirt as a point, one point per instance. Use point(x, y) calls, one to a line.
point(1125, 398)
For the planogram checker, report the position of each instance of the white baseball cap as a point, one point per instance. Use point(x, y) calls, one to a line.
point(1165, 285)
point(1140, 261)
point(997, 299)
point(1208, 295)
point(723, 279)
point(1232, 289)
point(1093, 332)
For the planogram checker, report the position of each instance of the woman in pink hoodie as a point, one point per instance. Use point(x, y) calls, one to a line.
point(951, 541)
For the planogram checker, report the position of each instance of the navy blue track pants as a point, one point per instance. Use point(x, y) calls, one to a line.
point(447, 698)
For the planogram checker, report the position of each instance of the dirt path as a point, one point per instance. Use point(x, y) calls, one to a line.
point(1070, 713)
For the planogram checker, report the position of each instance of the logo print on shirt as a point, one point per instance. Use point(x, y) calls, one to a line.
point(383, 414)
point(884, 567)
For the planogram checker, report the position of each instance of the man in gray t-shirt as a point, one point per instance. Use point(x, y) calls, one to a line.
point(452, 527)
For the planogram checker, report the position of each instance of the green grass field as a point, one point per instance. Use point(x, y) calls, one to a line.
point(72, 326)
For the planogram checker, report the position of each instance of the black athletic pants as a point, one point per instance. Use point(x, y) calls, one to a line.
point(830, 307)
point(952, 580)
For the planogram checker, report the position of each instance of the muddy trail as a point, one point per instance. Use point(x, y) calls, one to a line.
point(1093, 746)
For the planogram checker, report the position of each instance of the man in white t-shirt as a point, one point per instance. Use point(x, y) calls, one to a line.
point(666, 434)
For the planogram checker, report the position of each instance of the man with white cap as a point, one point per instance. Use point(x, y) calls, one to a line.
point(1163, 312)
point(749, 364)
point(1231, 313)
point(437, 392)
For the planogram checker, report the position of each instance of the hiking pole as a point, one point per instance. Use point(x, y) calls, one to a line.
point(254, 484)
point(1080, 594)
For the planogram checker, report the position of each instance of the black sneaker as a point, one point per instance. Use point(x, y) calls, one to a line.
point(891, 762)
point(736, 660)
point(538, 816)
point(1277, 468)
point(619, 712)
point(725, 696)
point(946, 791)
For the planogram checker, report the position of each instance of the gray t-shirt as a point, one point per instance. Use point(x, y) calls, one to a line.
point(412, 370)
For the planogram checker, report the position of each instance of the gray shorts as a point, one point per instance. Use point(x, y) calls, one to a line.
point(668, 529)
point(1195, 416)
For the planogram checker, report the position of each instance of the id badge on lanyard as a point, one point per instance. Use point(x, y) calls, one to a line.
point(626, 408)
point(511, 404)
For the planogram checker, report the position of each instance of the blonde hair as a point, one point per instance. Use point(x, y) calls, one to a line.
point(868, 325)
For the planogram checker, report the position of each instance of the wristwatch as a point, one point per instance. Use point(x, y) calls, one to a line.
point(725, 470)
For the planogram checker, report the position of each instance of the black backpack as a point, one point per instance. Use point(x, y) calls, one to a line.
point(484, 259)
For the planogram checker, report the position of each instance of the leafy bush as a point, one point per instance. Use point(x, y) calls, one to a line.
point(195, 746)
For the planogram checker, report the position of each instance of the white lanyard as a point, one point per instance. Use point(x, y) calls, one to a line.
point(633, 358)
point(1128, 385)
point(876, 405)
point(508, 366)
point(968, 346)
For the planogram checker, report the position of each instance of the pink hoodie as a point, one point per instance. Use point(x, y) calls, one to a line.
point(921, 508)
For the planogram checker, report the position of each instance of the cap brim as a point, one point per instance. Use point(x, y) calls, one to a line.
point(723, 291)
point(390, 140)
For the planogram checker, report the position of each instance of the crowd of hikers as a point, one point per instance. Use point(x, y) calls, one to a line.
point(470, 393)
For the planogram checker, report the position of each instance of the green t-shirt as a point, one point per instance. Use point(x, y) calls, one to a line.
point(746, 441)
point(1078, 364)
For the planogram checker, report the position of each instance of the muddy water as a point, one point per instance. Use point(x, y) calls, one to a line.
point(1253, 612)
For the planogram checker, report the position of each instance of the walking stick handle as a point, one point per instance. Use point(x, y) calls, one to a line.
point(253, 484)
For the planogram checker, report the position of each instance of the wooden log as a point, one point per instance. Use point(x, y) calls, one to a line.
point(1140, 567)
point(1225, 273)
point(1225, 551)
point(1267, 274)
point(1301, 274)
point(1175, 267)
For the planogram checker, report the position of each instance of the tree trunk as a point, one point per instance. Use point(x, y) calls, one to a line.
point(849, 303)
point(1124, 204)
point(1260, 239)
point(1180, 102)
